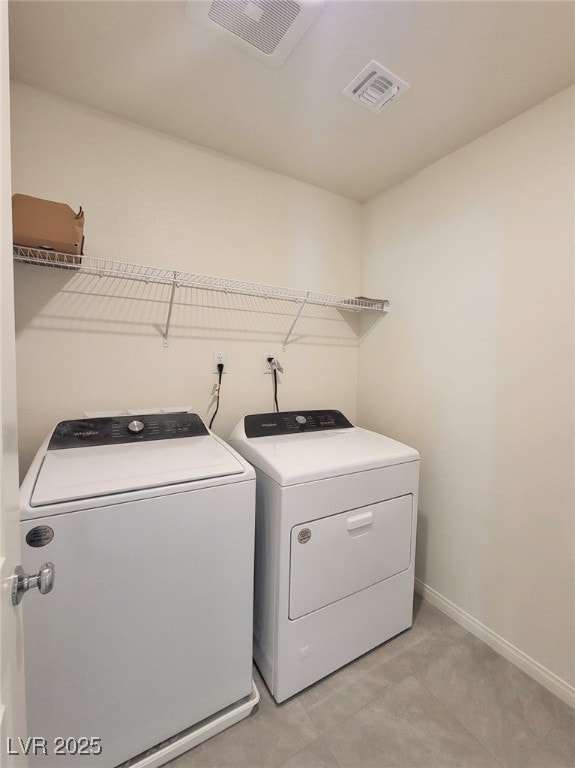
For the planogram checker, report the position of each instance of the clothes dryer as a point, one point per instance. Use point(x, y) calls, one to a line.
point(143, 647)
point(336, 509)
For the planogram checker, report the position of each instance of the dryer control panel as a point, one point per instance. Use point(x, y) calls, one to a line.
point(293, 422)
point(125, 429)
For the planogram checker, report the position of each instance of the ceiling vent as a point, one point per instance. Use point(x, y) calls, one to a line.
point(375, 87)
point(266, 29)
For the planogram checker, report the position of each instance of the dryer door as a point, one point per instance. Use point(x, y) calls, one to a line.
point(336, 556)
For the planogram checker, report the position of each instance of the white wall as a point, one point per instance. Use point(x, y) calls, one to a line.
point(151, 199)
point(474, 367)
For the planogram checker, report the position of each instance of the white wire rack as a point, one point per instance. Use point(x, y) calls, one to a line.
point(177, 279)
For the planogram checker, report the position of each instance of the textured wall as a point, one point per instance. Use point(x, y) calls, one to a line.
point(474, 367)
point(91, 344)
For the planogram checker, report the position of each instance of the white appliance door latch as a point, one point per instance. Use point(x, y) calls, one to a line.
point(22, 582)
point(359, 521)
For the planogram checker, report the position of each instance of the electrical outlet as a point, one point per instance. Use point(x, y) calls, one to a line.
point(220, 357)
point(267, 365)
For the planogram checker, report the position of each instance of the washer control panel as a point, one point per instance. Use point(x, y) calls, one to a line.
point(125, 429)
point(293, 422)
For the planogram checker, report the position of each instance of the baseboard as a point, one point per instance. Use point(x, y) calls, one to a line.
point(531, 667)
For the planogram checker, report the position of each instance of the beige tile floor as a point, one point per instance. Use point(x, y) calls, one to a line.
point(433, 697)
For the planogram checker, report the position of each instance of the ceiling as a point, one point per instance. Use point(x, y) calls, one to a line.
point(471, 66)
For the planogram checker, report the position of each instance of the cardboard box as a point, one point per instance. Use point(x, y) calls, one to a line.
point(51, 226)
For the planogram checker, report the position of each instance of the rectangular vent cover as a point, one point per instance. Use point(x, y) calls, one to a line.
point(266, 29)
point(261, 24)
point(375, 87)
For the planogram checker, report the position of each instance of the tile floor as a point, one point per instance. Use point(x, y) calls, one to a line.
point(433, 697)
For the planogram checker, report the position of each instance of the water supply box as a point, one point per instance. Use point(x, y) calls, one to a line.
point(51, 226)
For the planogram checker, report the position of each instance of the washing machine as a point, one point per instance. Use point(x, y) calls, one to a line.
point(336, 509)
point(143, 527)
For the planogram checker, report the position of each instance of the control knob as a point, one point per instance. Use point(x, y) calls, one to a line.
point(301, 420)
point(135, 426)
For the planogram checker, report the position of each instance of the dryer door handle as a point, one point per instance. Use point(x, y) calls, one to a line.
point(359, 521)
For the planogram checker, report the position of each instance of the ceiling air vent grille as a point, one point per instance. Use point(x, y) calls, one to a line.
point(375, 87)
point(269, 30)
point(261, 23)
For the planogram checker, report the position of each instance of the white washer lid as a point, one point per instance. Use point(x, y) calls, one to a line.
point(81, 473)
point(301, 458)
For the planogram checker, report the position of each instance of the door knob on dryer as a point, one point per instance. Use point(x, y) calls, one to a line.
point(22, 582)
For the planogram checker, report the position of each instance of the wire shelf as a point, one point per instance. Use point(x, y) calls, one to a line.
point(127, 271)
point(88, 265)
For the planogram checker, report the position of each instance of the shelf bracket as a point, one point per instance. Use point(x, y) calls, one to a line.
point(166, 341)
point(296, 318)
